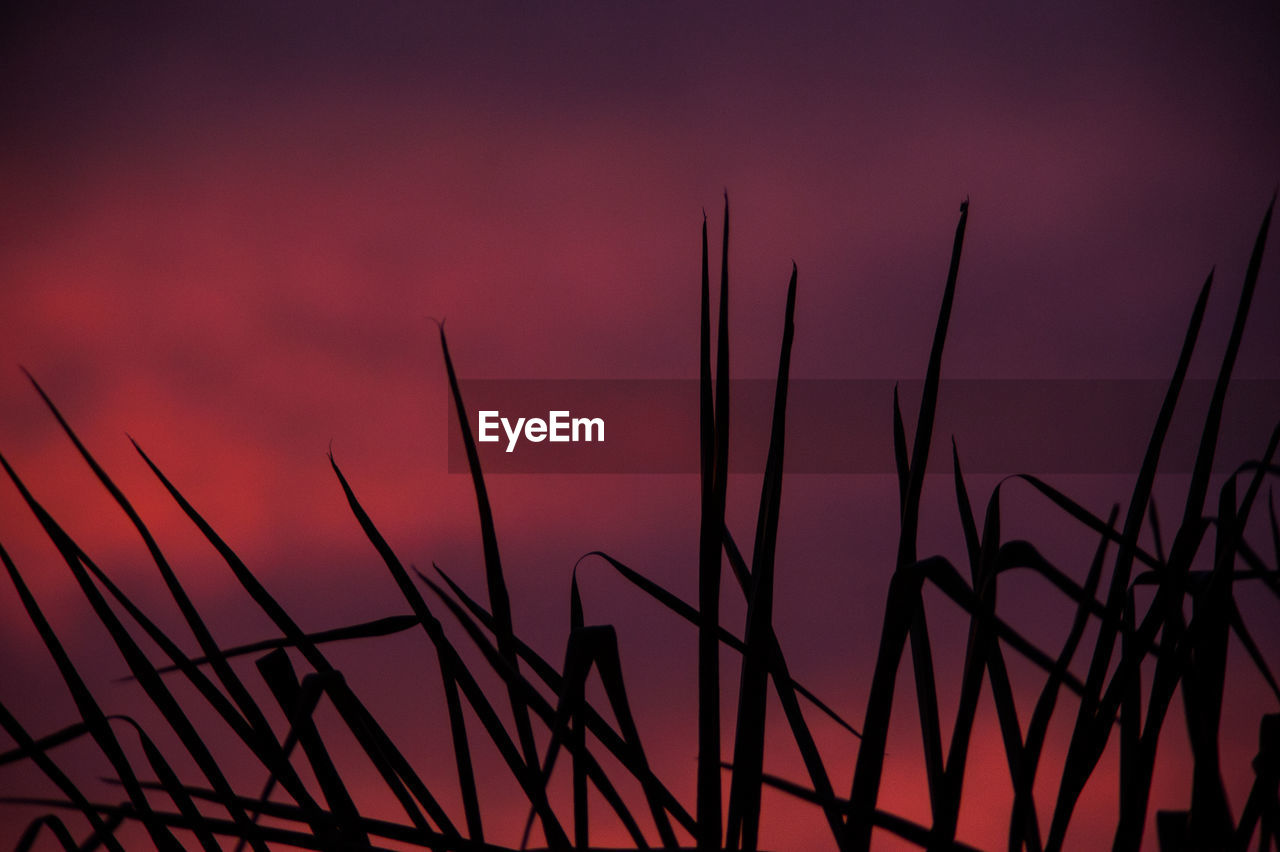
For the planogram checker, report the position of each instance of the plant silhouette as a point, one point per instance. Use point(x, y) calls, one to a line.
point(1161, 622)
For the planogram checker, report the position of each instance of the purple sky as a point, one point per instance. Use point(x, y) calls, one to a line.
point(225, 232)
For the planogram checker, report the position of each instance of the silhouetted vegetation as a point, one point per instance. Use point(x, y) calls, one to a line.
point(1160, 621)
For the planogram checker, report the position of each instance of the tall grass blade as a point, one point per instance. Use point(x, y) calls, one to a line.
point(457, 722)
point(714, 422)
point(499, 600)
point(1203, 467)
point(977, 652)
point(1167, 604)
point(900, 460)
point(748, 752)
point(788, 692)
point(904, 613)
point(1091, 732)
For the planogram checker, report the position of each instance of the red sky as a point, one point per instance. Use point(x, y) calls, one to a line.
point(225, 233)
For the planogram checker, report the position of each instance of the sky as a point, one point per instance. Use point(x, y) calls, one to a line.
point(229, 229)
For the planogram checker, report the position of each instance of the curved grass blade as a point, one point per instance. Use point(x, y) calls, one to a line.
point(52, 825)
point(499, 601)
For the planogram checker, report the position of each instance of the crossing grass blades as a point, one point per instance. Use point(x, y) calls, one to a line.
point(1114, 701)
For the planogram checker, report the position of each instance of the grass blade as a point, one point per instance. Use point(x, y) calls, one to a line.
point(901, 463)
point(904, 612)
point(499, 601)
point(976, 654)
point(457, 722)
point(54, 826)
point(715, 454)
point(748, 752)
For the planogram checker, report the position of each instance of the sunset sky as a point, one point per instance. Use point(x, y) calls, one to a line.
point(227, 230)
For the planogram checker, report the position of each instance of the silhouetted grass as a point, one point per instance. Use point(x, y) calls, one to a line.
point(1178, 651)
